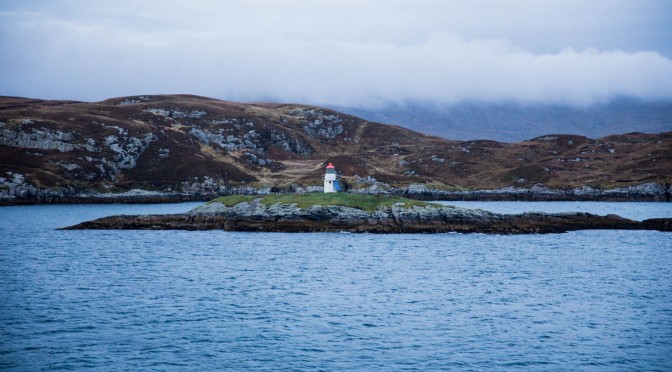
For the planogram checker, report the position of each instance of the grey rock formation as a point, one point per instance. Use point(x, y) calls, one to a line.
point(39, 138)
point(651, 191)
point(177, 114)
point(255, 216)
point(319, 124)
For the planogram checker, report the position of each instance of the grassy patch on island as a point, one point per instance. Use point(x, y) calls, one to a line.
point(365, 202)
point(232, 200)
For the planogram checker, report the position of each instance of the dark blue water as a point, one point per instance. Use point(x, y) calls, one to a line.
point(130, 300)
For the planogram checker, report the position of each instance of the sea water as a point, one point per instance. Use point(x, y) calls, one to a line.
point(203, 300)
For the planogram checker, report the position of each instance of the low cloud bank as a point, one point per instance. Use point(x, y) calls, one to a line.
point(55, 58)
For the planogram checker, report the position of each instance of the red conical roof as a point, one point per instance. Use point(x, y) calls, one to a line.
point(330, 165)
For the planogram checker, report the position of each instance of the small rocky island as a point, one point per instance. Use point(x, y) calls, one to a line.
point(345, 212)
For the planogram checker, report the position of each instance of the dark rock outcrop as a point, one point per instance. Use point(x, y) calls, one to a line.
point(255, 216)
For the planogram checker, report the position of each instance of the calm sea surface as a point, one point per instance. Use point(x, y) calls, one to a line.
point(134, 300)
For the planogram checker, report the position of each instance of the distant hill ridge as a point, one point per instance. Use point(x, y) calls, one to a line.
point(152, 147)
point(511, 122)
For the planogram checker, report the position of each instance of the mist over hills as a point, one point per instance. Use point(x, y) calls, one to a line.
point(513, 122)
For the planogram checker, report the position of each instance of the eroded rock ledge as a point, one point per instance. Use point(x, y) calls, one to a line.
point(255, 216)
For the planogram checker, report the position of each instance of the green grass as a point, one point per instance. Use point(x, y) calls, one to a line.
point(232, 200)
point(365, 202)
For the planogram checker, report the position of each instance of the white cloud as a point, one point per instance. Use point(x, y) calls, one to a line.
point(347, 52)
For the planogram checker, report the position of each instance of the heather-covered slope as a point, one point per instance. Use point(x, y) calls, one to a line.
point(177, 146)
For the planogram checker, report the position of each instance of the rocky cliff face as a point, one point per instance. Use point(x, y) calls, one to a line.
point(158, 148)
point(255, 216)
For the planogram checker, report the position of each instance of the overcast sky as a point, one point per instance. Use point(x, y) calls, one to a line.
point(347, 52)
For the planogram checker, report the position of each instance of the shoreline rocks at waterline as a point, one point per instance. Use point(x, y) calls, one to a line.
point(257, 217)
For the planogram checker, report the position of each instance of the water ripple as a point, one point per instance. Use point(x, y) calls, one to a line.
point(239, 301)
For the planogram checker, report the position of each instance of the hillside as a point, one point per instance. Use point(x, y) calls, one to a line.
point(196, 147)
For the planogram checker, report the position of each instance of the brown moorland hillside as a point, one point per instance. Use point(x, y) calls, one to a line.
point(199, 147)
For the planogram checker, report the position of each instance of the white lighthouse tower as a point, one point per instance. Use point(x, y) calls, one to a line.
point(330, 182)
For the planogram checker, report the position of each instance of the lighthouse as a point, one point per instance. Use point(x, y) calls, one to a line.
point(330, 182)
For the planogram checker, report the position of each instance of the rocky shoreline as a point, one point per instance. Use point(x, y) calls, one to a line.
point(23, 194)
point(257, 217)
point(646, 192)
